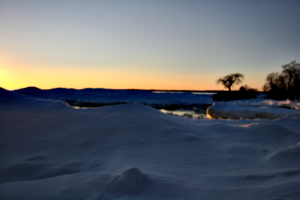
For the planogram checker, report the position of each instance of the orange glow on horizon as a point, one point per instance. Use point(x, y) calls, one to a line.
point(15, 76)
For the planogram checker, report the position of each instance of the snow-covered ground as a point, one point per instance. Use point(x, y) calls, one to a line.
point(52, 151)
point(187, 104)
point(119, 96)
point(254, 109)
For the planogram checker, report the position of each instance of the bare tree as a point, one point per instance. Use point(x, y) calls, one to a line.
point(285, 84)
point(275, 81)
point(230, 79)
point(292, 71)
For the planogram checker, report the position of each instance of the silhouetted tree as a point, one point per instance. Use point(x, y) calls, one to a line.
point(230, 79)
point(285, 84)
point(274, 81)
point(292, 71)
point(246, 88)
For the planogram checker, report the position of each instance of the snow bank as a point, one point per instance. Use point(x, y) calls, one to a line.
point(9, 99)
point(237, 112)
point(255, 108)
point(261, 102)
point(136, 152)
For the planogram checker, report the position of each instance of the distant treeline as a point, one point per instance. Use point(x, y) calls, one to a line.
point(279, 86)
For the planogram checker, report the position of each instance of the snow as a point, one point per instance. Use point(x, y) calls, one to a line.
point(255, 108)
point(118, 96)
point(237, 112)
point(131, 182)
point(261, 102)
point(131, 151)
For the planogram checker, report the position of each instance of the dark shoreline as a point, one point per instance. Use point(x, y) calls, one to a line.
point(128, 89)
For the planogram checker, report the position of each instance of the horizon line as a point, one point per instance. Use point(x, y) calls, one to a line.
point(167, 90)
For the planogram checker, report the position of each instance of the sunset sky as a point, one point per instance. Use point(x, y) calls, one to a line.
point(155, 44)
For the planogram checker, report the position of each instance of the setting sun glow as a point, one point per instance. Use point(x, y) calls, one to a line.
point(168, 45)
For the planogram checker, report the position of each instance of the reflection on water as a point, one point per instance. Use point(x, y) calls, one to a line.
point(210, 93)
point(182, 92)
point(196, 114)
point(168, 92)
point(79, 107)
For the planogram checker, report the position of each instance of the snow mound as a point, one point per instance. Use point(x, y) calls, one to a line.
point(229, 111)
point(9, 99)
point(130, 182)
point(8, 96)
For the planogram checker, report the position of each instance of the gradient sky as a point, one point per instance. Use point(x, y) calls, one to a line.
point(155, 44)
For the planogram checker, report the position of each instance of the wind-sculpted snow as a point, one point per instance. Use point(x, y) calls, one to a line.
point(130, 182)
point(131, 151)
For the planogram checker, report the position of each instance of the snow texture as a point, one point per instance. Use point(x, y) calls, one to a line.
point(254, 109)
point(228, 111)
point(131, 151)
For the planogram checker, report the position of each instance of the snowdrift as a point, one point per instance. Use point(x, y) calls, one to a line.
point(254, 109)
point(131, 151)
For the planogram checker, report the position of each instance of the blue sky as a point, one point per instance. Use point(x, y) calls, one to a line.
point(145, 44)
